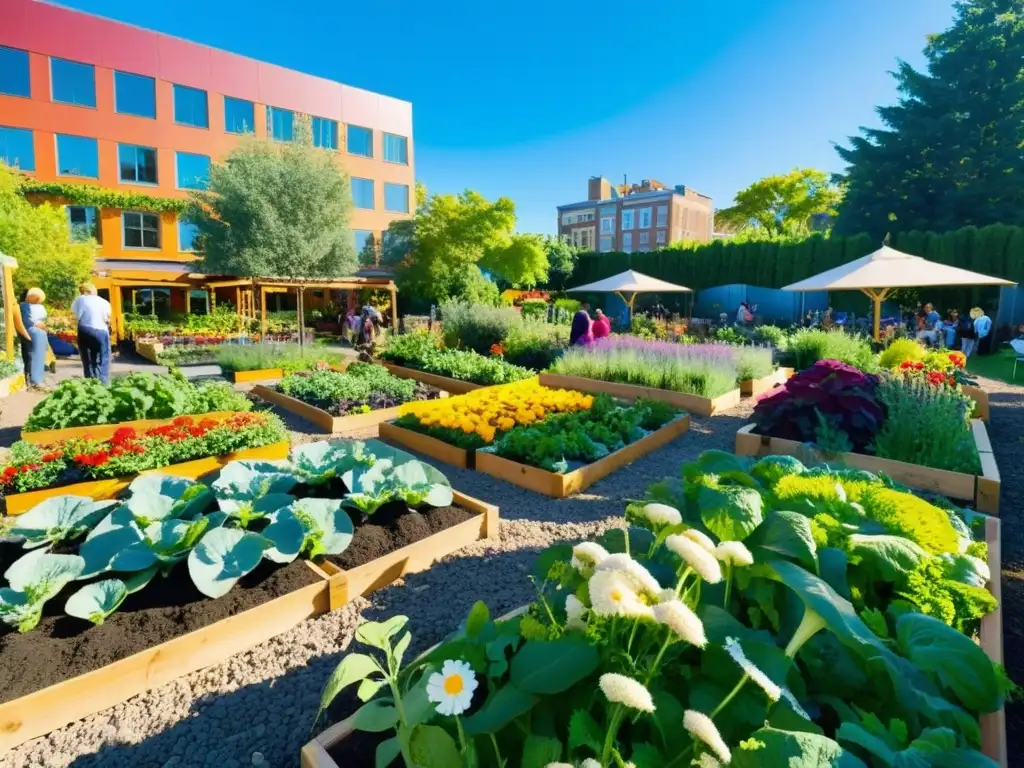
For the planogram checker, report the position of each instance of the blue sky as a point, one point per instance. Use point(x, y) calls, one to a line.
point(529, 99)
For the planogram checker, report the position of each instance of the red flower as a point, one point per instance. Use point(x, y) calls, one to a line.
point(182, 421)
point(208, 424)
point(123, 435)
point(918, 366)
point(97, 459)
point(51, 456)
point(8, 475)
point(907, 364)
point(197, 431)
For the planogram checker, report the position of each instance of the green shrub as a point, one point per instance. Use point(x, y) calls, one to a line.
point(476, 326)
point(410, 348)
point(535, 345)
point(729, 335)
point(809, 345)
point(290, 357)
point(771, 334)
point(534, 309)
point(900, 350)
point(572, 306)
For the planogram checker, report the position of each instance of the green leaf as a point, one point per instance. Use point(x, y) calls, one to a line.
point(400, 648)
point(668, 714)
point(832, 567)
point(646, 755)
point(368, 689)
point(479, 615)
point(585, 732)
point(787, 534)
point(223, 557)
point(59, 518)
point(539, 751)
point(552, 666)
point(730, 512)
point(387, 751)
point(793, 749)
point(354, 668)
point(855, 734)
point(500, 709)
point(41, 575)
point(418, 708)
point(892, 557)
point(432, 747)
point(496, 654)
point(375, 716)
point(94, 602)
point(378, 634)
point(952, 658)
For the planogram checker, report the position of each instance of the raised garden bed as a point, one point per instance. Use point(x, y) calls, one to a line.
point(990, 636)
point(327, 422)
point(427, 445)
point(755, 387)
point(980, 398)
point(700, 406)
point(452, 386)
point(560, 485)
point(266, 374)
point(982, 490)
point(105, 431)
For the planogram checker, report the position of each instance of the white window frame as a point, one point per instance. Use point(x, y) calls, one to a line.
point(662, 215)
point(142, 229)
point(566, 218)
point(607, 225)
point(156, 165)
point(644, 216)
point(627, 242)
point(628, 219)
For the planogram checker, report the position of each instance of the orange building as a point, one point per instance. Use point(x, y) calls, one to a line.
point(109, 107)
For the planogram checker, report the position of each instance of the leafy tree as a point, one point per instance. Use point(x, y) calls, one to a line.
point(950, 152)
point(780, 206)
point(562, 257)
point(276, 210)
point(39, 237)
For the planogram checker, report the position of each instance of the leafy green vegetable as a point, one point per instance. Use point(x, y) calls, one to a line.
point(95, 602)
point(58, 518)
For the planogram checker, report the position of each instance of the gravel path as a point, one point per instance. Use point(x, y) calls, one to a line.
point(257, 708)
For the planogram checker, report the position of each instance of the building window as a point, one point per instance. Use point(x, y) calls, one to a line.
point(141, 230)
point(138, 164)
point(659, 237)
point(359, 141)
point(190, 107)
point(396, 149)
point(280, 124)
point(607, 224)
point(325, 133)
point(628, 219)
point(14, 79)
point(17, 148)
point(364, 244)
point(608, 210)
point(645, 241)
point(134, 95)
point(396, 198)
point(362, 193)
point(662, 215)
point(567, 218)
point(72, 82)
point(606, 244)
point(83, 222)
point(239, 116)
point(645, 217)
point(627, 242)
point(193, 171)
point(187, 234)
point(77, 156)
point(587, 217)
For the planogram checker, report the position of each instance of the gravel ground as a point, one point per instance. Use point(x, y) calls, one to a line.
point(257, 708)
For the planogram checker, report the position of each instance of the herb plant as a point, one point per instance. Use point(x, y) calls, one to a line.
point(290, 357)
point(363, 387)
point(809, 345)
point(421, 350)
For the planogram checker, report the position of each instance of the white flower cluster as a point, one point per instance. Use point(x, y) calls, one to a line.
point(620, 689)
point(701, 727)
point(696, 556)
point(659, 515)
point(587, 556)
point(734, 553)
point(682, 621)
point(612, 594)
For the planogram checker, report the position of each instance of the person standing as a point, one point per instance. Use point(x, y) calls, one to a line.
point(982, 328)
point(602, 326)
point(580, 329)
point(93, 315)
point(34, 344)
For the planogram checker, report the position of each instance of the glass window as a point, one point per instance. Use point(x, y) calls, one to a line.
point(239, 116)
point(141, 230)
point(14, 80)
point(660, 237)
point(137, 164)
point(17, 148)
point(359, 141)
point(396, 149)
point(627, 242)
point(325, 133)
point(72, 83)
point(77, 156)
point(645, 218)
point(396, 197)
point(193, 170)
point(567, 218)
point(606, 243)
point(280, 124)
point(187, 233)
point(662, 215)
point(190, 107)
point(83, 221)
point(607, 224)
point(364, 242)
point(134, 94)
point(627, 219)
point(362, 193)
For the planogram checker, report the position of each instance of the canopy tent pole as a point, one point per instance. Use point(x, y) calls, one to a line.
point(628, 302)
point(263, 314)
point(877, 296)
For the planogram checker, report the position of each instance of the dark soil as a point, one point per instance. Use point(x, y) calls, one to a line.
point(359, 748)
point(62, 647)
point(394, 526)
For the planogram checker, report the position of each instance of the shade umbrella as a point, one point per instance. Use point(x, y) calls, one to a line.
point(887, 269)
point(632, 283)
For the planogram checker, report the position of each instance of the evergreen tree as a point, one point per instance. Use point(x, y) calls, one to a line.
point(950, 154)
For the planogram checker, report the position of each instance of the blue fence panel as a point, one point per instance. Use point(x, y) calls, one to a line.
point(773, 305)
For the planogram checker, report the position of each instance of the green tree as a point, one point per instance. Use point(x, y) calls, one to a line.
point(276, 210)
point(780, 206)
point(39, 237)
point(949, 154)
point(562, 257)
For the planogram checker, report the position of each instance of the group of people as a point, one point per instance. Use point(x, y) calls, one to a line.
point(92, 313)
point(969, 331)
point(361, 327)
point(585, 330)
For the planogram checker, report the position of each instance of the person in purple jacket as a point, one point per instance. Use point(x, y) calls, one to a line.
point(580, 331)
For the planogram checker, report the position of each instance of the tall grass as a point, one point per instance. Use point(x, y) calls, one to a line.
point(809, 345)
point(753, 362)
point(290, 357)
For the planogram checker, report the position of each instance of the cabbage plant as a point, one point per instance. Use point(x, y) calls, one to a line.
point(32, 580)
point(57, 519)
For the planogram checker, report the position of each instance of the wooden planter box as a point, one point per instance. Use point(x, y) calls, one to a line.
point(990, 637)
point(418, 556)
point(328, 423)
point(698, 406)
point(452, 386)
point(755, 387)
point(106, 431)
point(980, 398)
point(45, 710)
point(12, 384)
point(428, 446)
point(268, 374)
point(107, 488)
point(148, 349)
point(982, 490)
point(561, 485)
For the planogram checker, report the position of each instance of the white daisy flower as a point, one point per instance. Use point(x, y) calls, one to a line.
point(620, 689)
point(682, 621)
point(734, 553)
point(661, 514)
point(574, 611)
point(587, 554)
point(612, 594)
point(765, 683)
point(452, 688)
point(635, 572)
point(701, 727)
point(699, 538)
point(707, 761)
point(695, 556)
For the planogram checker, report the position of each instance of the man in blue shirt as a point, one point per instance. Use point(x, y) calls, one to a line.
point(930, 332)
point(93, 315)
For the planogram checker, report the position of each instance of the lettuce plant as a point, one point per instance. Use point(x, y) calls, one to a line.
point(95, 602)
point(32, 580)
point(57, 519)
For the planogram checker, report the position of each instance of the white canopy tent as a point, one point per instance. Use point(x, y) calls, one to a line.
point(886, 269)
point(631, 283)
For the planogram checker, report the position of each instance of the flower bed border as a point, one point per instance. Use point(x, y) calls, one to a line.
point(461, 458)
point(267, 374)
point(453, 386)
point(982, 490)
point(346, 585)
point(107, 488)
point(560, 486)
point(981, 405)
point(698, 406)
point(106, 431)
point(756, 387)
point(55, 706)
point(334, 425)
